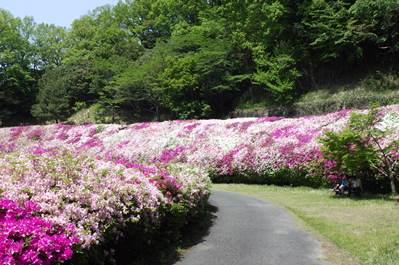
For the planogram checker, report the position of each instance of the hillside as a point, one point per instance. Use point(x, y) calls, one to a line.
point(358, 92)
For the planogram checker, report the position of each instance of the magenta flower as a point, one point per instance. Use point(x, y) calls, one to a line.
point(26, 238)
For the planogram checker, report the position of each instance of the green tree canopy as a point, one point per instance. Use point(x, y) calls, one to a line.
point(195, 58)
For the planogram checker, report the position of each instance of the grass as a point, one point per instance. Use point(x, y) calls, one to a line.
point(357, 92)
point(366, 228)
point(324, 100)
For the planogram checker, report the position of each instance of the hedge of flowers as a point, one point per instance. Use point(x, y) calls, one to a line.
point(224, 147)
point(98, 178)
point(91, 198)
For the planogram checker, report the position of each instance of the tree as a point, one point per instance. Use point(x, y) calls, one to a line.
point(194, 58)
point(375, 131)
point(375, 22)
point(137, 88)
point(17, 78)
point(276, 73)
point(49, 44)
point(61, 88)
point(202, 72)
point(361, 150)
point(100, 35)
point(151, 21)
point(53, 99)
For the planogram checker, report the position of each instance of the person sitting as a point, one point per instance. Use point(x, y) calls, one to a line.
point(342, 187)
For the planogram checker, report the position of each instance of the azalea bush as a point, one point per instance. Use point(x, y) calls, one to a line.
point(26, 238)
point(253, 148)
point(347, 154)
point(98, 198)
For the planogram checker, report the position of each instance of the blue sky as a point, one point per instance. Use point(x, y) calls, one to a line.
point(59, 12)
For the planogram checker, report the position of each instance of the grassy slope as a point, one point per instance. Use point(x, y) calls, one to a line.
point(366, 228)
point(329, 96)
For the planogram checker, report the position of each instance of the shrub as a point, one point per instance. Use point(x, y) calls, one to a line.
point(99, 198)
point(285, 177)
point(27, 239)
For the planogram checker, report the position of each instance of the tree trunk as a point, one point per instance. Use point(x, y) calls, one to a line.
point(393, 186)
point(157, 113)
point(113, 114)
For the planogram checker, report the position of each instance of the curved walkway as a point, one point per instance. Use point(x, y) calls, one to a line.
point(248, 231)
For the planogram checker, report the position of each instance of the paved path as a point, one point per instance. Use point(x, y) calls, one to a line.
point(248, 231)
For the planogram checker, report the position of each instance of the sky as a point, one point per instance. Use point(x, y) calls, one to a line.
point(59, 12)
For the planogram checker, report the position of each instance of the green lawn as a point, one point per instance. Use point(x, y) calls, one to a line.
point(366, 228)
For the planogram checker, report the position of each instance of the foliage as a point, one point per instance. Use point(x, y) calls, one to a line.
point(347, 155)
point(200, 74)
point(278, 74)
point(53, 99)
point(48, 45)
point(17, 78)
point(282, 177)
point(26, 50)
point(166, 59)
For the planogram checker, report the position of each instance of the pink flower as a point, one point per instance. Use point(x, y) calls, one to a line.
point(26, 239)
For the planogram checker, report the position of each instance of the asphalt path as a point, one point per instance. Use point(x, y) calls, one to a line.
point(248, 231)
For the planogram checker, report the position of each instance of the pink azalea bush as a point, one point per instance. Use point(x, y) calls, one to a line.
point(95, 194)
point(29, 239)
point(257, 146)
point(96, 197)
point(224, 147)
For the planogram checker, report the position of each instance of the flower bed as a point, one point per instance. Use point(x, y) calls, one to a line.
point(252, 146)
point(95, 197)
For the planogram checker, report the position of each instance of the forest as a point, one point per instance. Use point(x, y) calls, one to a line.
point(187, 59)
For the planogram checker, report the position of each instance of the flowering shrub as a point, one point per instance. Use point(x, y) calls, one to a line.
point(226, 147)
point(249, 146)
point(28, 239)
point(97, 197)
point(95, 194)
point(363, 149)
point(257, 146)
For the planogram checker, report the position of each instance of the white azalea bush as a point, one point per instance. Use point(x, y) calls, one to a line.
point(98, 198)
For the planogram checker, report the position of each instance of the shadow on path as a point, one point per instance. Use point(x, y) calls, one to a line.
point(171, 250)
point(196, 231)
